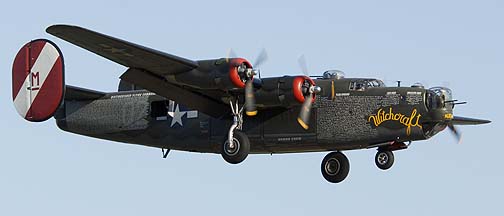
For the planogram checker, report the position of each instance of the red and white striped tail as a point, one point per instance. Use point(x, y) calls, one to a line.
point(38, 80)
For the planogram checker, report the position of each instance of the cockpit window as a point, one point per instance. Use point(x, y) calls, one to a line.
point(358, 85)
point(361, 85)
point(372, 84)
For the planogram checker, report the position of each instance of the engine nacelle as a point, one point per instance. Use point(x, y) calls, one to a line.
point(234, 74)
point(224, 74)
point(284, 91)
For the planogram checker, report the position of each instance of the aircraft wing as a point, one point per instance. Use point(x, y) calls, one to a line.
point(457, 120)
point(189, 97)
point(147, 67)
point(123, 52)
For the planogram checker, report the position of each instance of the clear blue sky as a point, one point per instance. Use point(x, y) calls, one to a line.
point(45, 171)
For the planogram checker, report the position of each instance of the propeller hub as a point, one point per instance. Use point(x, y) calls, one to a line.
point(250, 73)
point(242, 68)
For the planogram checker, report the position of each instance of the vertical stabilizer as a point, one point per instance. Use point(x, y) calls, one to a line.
point(38, 80)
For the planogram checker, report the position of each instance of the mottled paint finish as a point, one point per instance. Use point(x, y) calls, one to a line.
point(337, 123)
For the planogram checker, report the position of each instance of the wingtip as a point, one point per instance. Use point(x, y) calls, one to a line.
point(484, 121)
point(469, 121)
point(54, 29)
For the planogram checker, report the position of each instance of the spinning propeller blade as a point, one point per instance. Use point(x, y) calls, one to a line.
point(304, 113)
point(230, 54)
point(455, 132)
point(250, 107)
point(261, 58)
point(303, 65)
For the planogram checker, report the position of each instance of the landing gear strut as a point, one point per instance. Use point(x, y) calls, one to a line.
point(335, 167)
point(237, 145)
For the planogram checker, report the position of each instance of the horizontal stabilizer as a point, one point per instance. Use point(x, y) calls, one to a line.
point(457, 120)
point(80, 94)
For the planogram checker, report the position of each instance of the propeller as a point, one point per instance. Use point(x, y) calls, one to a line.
point(304, 113)
point(261, 58)
point(230, 54)
point(455, 132)
point(312, 90)
point(303, 65)
point(250, 105)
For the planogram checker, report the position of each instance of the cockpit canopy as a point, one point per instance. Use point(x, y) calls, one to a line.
point(363, 84)
point(333, 74)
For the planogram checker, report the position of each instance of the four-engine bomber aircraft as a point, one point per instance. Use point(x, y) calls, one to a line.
point(169, 102)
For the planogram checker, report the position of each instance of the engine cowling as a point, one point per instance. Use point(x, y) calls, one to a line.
point(284, 91)
point(224, 74)
point(237, 73)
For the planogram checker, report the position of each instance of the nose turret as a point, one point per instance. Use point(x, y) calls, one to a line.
point(440, 103)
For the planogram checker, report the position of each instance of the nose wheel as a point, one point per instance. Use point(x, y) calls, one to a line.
point(335, 167)
point(384, 159)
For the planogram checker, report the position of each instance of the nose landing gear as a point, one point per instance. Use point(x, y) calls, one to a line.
point(384, 159)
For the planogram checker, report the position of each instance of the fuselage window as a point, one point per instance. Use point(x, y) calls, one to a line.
point(159, 109)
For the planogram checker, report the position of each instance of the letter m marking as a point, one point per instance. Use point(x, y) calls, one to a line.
point(35, 77)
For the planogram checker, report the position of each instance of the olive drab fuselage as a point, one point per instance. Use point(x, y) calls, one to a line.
point(347, 114)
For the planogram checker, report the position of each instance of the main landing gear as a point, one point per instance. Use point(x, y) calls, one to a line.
point(335, 167)
point(237, 145)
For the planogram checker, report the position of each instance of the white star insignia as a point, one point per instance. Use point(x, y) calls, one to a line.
point(177, 116)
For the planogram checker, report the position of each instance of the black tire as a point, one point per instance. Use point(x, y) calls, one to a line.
point(335, 167)
point(384, 159)
point(241, 150)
